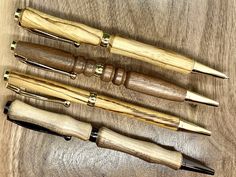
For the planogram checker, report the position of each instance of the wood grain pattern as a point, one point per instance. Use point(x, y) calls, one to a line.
point(144, 150)
point(151, 54)
point(201, 29)
point(59, 123)
point(34, 19)
point(65, 61)
point(68, 126)
point(61, 91)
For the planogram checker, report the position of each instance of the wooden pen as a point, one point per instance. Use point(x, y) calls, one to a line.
point(66, 63)
point(48, 90)
point(78, 33)
point(63, 125)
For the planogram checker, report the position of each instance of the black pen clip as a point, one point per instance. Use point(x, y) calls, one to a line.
point(32, 126)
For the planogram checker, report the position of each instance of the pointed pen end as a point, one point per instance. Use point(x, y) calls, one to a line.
point(200, 68)
point(194, 97)
point(190, 164)
point(190, 127)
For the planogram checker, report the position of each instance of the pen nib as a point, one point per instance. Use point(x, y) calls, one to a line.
point(193, 165)
point(187, 126)
point(194, 97)
point(200, 68)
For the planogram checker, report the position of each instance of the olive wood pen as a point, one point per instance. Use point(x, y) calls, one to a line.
point(77, 33)
point(41, 120)
point(48, 90)
point(66, 63)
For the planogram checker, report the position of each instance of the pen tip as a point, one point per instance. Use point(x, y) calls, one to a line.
point(195, 166)
point(194, 97)
point(200, 68)
point(187, 126)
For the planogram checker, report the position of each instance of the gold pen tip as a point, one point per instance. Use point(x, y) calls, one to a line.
point(200, 68)
point(184, 125)
point(194, 97)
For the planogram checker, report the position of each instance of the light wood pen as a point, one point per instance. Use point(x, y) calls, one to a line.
point(29, 117)
point(78, 33)
point(58, 92)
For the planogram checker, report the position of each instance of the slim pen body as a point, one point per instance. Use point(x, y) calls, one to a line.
point(67, 94)
point(79, 33)
point(23, 114)
point(66, 63)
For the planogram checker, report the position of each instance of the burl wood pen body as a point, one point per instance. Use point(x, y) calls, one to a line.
point(26, 85)
point(79, 33)
point(29, 116)
point(61, 61)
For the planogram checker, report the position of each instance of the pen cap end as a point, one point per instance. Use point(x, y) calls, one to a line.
point(17, 14)
point(6, 107)
point(6, 75)
point(13, 45)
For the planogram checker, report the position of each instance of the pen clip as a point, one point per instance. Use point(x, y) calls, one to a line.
point(52, 36)
point(42, 66)
point(37, 128)
point(36, 96)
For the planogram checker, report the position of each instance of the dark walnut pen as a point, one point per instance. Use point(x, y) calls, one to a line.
point(66, 63)
point(77, 33)
point(48, 90)
point(63, 125)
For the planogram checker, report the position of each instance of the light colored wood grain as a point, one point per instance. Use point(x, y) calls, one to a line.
point(151, 54)
point(68, 126)
point(33, 19)
point(144, 150)
point(201, 29)
point(44, 87)
point(59, 123)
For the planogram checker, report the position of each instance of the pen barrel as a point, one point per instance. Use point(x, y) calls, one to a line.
point(65, 61)
point(147, 151)
point(80, 33)
point(77, 32)
point(63, 92)
point(151, 54)
point(59, 123)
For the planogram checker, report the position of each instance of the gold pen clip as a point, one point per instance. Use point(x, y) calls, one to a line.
point(43, 33)
point(52, 36)
point(37, 97)
point(45, 67)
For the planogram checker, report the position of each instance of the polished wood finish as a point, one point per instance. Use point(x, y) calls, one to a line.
point(147, 151)
point(151, 54)
point(59, 123)
point(61, 91)
point(202, 29)
point(34, 19)
point(65, 61)
point(68, 126)
point(77, 32)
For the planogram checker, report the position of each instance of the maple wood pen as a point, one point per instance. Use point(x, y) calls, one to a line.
point(48, 90)
point(41, 120)
point(66, 63)
point(77, 33)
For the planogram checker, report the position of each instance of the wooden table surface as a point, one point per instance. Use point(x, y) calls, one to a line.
point(202, 29)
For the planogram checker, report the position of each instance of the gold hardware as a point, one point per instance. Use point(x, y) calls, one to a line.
point(99, 69)
point(35, 96)
point(92, 99)
point(42, 66)
point(52, 36)
point(105, 40)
